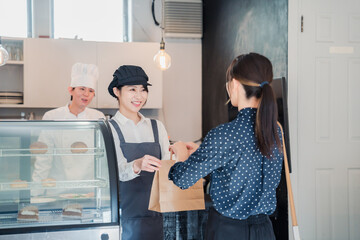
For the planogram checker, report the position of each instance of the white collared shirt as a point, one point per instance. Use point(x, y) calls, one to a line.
point(63, 113)
point(136, 133)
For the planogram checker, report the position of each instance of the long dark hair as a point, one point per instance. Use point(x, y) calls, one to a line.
point(255, 73)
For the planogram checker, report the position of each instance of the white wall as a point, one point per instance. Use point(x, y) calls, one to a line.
point(182, 92)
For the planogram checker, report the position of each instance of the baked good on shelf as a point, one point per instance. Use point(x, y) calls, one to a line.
point(78, 147)
point(77, 195)
point(48, 182)
point(28, 213)
point(72, 210)
point(38, 148)
point(19, 184)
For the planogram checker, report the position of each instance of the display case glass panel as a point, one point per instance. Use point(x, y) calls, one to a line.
point(53, 173)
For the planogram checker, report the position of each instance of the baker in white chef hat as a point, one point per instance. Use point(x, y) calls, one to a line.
point(84, 75)
point(82, 90)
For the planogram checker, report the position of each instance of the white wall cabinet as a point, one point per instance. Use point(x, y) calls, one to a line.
point(111, 56)
point(48, 70)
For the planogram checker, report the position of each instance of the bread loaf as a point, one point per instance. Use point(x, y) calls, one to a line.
point(38, 148)
point(19, 184)
point(48, 182)
point(78, 147)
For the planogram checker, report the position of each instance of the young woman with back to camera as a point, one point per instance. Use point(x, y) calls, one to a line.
point(243, 156)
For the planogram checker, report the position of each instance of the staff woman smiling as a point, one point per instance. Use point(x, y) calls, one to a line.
point(140, 144)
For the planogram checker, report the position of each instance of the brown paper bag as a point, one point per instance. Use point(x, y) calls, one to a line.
point(167, 197)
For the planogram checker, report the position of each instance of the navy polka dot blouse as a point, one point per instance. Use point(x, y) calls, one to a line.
point(243, 181)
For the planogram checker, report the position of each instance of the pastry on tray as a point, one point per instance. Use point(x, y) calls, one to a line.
point(19, 184)
point(72, 210)
point(77, 195)
point(48, 182)
point(38, 148)
point(78, 147)
point(29, 213)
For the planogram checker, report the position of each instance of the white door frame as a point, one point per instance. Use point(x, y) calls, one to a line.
point(293, 59)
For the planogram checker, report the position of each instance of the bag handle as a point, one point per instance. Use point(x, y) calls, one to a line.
point(289, 188)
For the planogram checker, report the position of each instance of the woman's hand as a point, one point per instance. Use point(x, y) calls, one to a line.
point(180, 150)
point(191, 147)
point(146, 163)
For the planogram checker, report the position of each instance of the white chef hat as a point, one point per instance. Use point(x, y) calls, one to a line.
point(84, 75)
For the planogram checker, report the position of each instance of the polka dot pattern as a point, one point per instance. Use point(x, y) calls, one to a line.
point(243, 181)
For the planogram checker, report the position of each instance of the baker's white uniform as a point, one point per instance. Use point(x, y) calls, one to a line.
point(70, 166)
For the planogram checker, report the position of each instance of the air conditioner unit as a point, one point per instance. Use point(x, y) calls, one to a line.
point(183, 18)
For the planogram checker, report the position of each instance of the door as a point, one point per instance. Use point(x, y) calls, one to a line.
point(329, 120)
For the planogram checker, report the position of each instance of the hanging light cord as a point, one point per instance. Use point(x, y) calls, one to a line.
point(153, 13)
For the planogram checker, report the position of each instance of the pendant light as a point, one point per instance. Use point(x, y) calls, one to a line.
point(4, 55)
point(162, 59)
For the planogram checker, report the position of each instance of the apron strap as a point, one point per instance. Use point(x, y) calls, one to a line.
point(117, 128)
point(121, 136)
point(155, 130)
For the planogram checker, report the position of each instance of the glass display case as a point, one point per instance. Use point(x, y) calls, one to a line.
point(58, 180)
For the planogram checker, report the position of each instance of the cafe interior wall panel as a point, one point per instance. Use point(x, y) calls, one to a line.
point(354, 103)
point(232, 28)
point(182, 92)
point(323, 97)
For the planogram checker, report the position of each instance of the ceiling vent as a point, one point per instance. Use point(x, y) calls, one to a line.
point(183, 18)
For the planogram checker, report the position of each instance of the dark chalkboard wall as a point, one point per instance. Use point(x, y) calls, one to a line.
point(234, 27)
point(231, 28)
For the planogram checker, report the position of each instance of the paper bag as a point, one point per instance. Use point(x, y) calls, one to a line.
point(167, 197)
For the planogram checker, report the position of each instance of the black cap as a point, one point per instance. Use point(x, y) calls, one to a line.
point(128, 75)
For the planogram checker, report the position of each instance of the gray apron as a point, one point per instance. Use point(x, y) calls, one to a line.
point(136, 220)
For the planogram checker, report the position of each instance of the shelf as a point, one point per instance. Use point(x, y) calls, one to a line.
point(55, 217)
point(18, 105)
point(51, 152)
point(12, 62)
point(15, 49)
point(97, 183)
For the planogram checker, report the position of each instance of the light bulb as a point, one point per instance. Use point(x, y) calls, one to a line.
point(4, 55)
point(162, 59)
